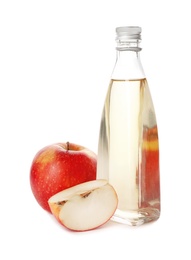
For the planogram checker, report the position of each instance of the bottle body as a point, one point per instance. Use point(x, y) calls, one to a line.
point(128, 149)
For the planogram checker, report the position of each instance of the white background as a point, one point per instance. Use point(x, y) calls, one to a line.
point(56, 58)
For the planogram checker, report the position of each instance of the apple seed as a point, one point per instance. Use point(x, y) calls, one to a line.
point(86, 194)
point(60, 203)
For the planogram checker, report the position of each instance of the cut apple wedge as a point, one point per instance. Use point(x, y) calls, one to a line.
point(85, 206)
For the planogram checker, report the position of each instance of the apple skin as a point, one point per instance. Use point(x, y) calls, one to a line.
point(60, 166)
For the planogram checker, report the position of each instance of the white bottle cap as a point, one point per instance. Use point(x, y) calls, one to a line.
point(128, 32)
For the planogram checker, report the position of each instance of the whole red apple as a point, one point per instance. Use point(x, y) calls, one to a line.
point(60, 166)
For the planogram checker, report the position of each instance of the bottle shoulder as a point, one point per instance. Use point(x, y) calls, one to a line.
point(128, 68)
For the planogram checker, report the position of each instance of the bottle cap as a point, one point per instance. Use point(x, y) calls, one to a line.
point(128, 33)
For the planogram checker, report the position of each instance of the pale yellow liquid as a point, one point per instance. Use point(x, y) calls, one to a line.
point(128, 153)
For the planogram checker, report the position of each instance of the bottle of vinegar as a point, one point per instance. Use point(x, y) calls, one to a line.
point(128, 149)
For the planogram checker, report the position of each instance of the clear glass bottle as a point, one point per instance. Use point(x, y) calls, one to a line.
point(128, 149)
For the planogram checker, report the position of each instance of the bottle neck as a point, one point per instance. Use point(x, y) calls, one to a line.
point(128, 65)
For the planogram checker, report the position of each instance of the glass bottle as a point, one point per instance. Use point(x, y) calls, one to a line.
point(128, 149)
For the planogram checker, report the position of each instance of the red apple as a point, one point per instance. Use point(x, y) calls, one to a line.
point(60, 166)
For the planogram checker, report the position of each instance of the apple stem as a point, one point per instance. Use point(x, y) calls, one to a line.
point(68, 144)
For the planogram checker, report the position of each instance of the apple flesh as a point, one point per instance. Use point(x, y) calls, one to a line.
point(59, 166)
point(85, 206)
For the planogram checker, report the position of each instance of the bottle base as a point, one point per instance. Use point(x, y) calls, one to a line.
point(136, 217)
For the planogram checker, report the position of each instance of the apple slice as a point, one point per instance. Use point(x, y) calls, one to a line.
point(84, 206)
